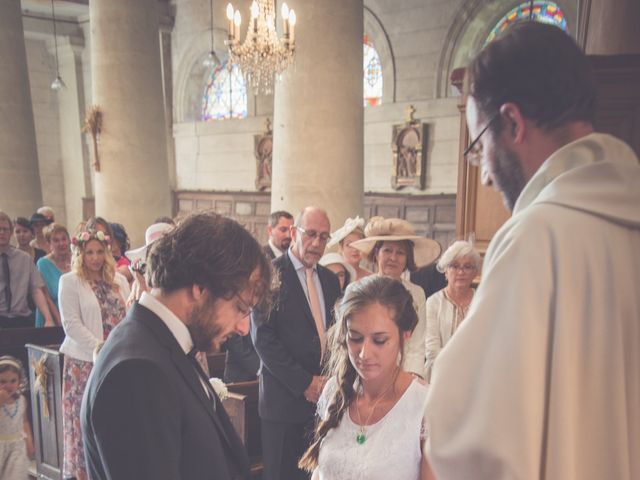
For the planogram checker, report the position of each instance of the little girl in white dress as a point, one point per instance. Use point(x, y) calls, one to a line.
point(15, 432)
point(370, 412)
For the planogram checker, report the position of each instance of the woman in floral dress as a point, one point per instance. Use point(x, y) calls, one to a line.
point(92, 301)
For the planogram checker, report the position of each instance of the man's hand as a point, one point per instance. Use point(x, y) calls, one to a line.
point(313, 391)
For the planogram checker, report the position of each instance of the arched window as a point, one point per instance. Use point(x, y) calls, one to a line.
point(544, 12)
point(372, 74)
point(225, 95)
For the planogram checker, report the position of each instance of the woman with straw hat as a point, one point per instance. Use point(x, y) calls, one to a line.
point(341, 241)
point(393, 246)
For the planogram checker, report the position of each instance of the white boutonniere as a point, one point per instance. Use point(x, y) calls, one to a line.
point(219, 387)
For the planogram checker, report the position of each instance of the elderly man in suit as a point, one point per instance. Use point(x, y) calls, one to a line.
point(291, 342)
point(149, 410)
point(279, 231)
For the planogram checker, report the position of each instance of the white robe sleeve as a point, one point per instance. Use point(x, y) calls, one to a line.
point(486, 407)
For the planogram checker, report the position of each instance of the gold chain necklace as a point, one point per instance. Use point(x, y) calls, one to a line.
point(361, 437)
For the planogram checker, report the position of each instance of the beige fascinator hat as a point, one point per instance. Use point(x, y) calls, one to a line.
point(350, 225)
point(425, 250)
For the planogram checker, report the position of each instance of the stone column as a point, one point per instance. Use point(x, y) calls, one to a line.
point(20, 191)
point(612, 27)
point(132, 186)
point(318, 127)
point(71, 114)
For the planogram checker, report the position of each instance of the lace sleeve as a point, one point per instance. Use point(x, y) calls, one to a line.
point(326, 396)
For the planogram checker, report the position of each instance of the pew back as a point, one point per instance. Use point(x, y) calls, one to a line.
point(45, 374)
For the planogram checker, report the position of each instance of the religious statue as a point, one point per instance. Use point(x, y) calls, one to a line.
point(263, 148)
point(407, 147)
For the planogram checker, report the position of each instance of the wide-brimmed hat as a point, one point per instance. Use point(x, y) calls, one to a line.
point(425, 250)
point(350, 225)
point(153, 233)
point(333, 257)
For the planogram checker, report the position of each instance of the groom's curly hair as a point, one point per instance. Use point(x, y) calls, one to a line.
point(212, 251)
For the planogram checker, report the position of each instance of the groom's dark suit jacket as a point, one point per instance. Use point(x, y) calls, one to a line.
point(145, 413)
point(287, 342)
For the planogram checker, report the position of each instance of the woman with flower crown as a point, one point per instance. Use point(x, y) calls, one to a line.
point(92, 301)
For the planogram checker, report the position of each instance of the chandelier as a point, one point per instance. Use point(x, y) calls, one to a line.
point(262, 56)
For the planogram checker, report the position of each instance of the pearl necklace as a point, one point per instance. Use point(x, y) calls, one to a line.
point(7, 412)
point(361, 437)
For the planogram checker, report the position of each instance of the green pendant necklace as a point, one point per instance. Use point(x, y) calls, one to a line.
point(361, 437)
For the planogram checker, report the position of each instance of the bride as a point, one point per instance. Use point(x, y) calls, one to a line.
point(371, 411)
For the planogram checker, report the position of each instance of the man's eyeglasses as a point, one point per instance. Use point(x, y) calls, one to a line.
point(243, 307)
point(466, 268)
point(312, 234)
point(473, 155)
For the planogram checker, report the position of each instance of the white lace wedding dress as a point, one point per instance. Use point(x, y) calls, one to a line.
point(391, 450)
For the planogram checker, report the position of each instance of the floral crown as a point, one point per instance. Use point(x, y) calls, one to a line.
point(83, 237)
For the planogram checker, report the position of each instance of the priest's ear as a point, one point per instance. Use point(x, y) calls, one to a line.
point(513, 121)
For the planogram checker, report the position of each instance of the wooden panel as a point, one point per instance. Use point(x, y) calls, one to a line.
point(47, 430)
point(618, 112)
point(242, 407)
point(216, 365)
point(431, 215)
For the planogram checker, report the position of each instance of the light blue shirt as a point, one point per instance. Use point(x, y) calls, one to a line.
point(302, 276)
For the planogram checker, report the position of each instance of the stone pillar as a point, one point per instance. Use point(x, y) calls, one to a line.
point(71, 115)
point(132, 186)
point(318, 127)
point(20, 191)
point(612, 27)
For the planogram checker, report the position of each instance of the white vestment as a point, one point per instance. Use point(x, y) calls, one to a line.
point(542, 379)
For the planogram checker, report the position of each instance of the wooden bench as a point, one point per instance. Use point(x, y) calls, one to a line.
point(45, 370)
point(13, 341)
point(242, 407)
point(216, 365)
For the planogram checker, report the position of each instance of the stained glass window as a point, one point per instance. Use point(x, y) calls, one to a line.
point(225, 95)
point(372, 74)
point(544, 12)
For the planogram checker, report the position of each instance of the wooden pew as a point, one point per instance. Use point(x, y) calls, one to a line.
point(13, 341)
point(46, 405)
point(216, 365)
point(242, 407)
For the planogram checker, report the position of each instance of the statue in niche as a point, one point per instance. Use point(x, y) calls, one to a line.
point(263, 149)
point(407, 147)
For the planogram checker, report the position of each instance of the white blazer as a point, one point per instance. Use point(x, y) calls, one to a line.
point(81, 315)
